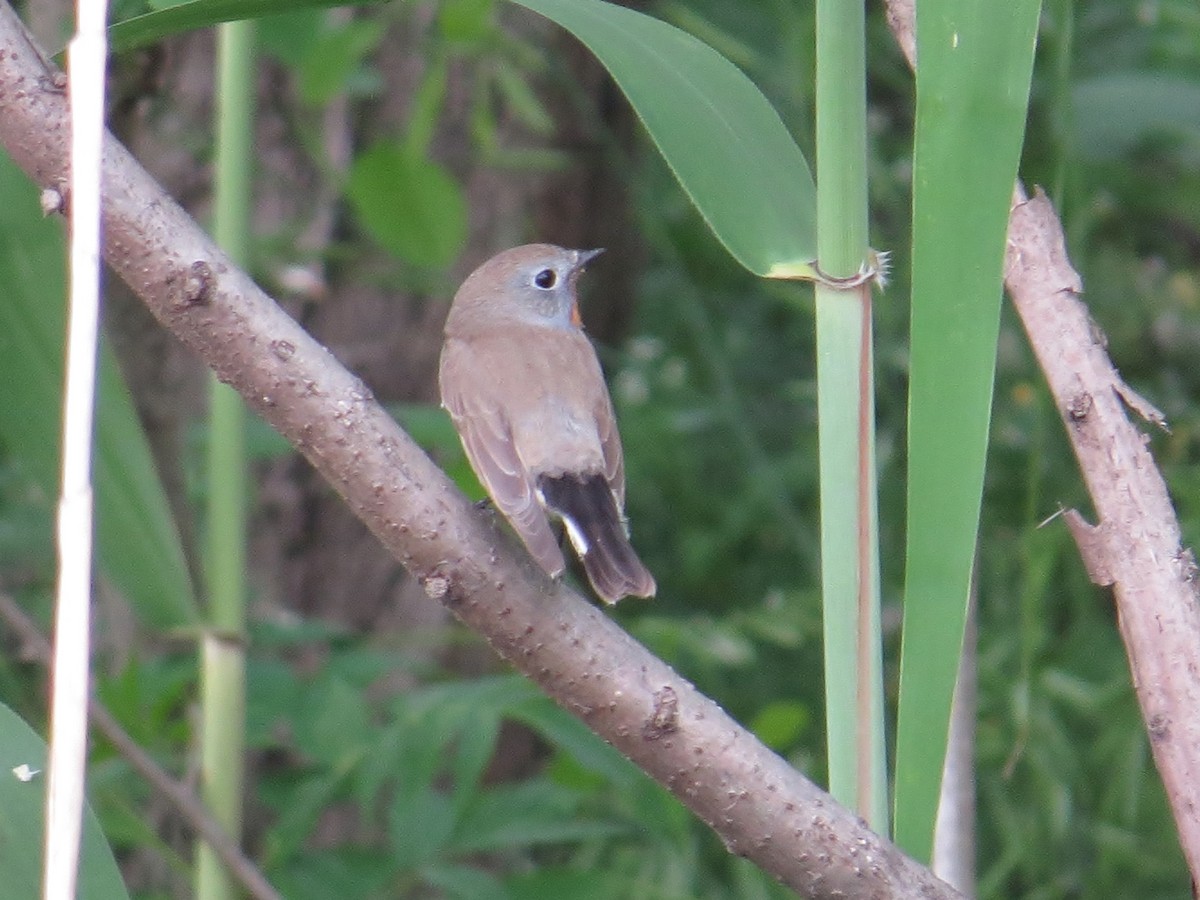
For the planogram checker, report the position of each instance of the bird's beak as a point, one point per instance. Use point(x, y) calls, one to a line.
point(583, 257)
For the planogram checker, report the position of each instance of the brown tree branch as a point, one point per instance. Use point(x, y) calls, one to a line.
point(185, 803)
point(760, 806)
point(1136, 548)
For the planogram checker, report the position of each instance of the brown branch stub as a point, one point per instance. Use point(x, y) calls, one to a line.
point(1140, 406)
point(53, 200)
point(901, 17)
point(1078, 406)
point(664, 717)
point(283, 350)
point(761, 806)
point(198, 284)
point(1037, 252)
point(1093, 547)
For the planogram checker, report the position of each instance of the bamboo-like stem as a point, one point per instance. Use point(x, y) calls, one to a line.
point(72, 640)
point(223, 665)
point(845, 398)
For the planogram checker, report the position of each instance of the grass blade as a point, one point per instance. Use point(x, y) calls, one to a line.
point(975, 61)
point(138, 545)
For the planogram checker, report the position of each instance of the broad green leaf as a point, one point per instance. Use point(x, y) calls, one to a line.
point(548, 882)
point(725, 143)
point(426, 107)
point(975, 63)
point(409, 204)
point(780, 723)
point(22, 799)
point(298, 812)
point(138, 546)
point(336, 56)
point(466, 21)
point(316, 874)
point(154, 26)
point(464, 882)
point(1151, 104)
point(291, 37)
point(419, 825)
point(524, 103)
point(574, 738)
point(273, 695)
point(473, 751)
point(334, 726)
point(525, 814)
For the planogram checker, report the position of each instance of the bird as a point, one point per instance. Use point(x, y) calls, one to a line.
point(524, 388)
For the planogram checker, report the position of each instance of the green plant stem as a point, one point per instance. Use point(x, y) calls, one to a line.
point(845, 399)
point(223, 665)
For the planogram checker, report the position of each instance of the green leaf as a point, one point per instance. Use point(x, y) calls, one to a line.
point(291, 36)
point(1151, 104)
point(410, 205)
point(426, 104)
point(466, 21)
point(473, 752)
point(22, 800)
point(564, 883)
point(419, 826)
point(272, 695)
point(335, 724)
point(573, 737)
point(523, 102)
point(976, 60)
point(137, 544)
point(338, 872)
point(335, 57)
point(464, 881)
point(780, 723)
point(299, 809)
point(523, 815)
point(725, 143)
point(154, 26)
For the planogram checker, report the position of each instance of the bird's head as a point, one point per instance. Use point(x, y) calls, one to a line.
point(533, 284)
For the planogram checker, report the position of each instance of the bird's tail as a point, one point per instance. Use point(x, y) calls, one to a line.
point(597, 531)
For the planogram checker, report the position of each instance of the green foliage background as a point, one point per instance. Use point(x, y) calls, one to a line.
point(716, 401)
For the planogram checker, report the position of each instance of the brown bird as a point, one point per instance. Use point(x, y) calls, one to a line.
point(523, 385)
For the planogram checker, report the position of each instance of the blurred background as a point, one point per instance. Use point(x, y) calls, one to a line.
point(398, 146)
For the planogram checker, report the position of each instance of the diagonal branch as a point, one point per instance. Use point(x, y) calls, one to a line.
point(1136, 547)
point(760, 806)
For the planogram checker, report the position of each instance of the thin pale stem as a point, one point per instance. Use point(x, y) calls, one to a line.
point(72, 650)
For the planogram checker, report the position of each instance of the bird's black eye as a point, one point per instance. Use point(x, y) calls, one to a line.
point(545, 279)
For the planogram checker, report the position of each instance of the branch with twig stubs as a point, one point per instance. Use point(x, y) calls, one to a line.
point(1136, 546)
point(760, 806)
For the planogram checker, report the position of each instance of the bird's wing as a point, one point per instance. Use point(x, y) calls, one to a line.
point(610, 445)
point(577, 371)
point(468, 394)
